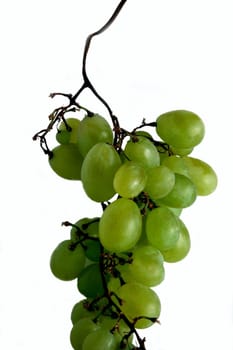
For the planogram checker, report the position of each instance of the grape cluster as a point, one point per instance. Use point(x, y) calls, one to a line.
point(143, 184)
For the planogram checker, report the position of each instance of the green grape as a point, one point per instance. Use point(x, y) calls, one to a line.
point(181, 248)
point(162, 228)
point(100, 339)
point(177, 165)
point(202, 175)
point(67, 161)
point(88, 226)
point(180, 128)
point(67, 261)
point(147, 266)
point(81, 310)
point(98, 170)
point(143, 238)
point(160, 182)
point(92, 130)
point(90, 281)
point(143, 151)
point(120, 225)
point(130, 179)
point(66, 135)
point(181, 151)
point(114, 283)
point(176, 211)
point(182, 195)
point(139, 300)
point(87, 308)
point(80, 331)
point(92, 249)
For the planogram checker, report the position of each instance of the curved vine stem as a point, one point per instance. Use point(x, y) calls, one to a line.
point(87, 83)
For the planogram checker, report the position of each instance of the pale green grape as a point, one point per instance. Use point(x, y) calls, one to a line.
point(180, 128)
point(181, 248)
point(139, 300)
point(120, 225)
point(98, 171)
point(130, 179)
point(67, 161)
point(160, 182)
point(80, 331)
point(66, 135)
point(162, 228)
point(92, 130)
point(142, 151)
point(202, 175)
point(90, 281)
point(147, 266)
point(182, 195)
point(67, 261)
point(176, 164)
point(100, 339)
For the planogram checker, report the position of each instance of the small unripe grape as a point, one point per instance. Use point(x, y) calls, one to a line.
point(66, 135)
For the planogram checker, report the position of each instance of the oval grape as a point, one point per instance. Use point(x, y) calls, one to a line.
point(182, 195)
point(130, 179)
point(67, 161)
point(181, 248)
point(142, 150)
point(98, 171)
point(162, 228)
point(67, 261)
point(202, 175)
point(180, 128)
point(120, 225)
point(138, 301)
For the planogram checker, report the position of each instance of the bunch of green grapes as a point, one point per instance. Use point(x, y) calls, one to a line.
point(143, 181)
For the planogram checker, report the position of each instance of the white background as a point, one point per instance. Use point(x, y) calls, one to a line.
point(158, 55)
